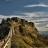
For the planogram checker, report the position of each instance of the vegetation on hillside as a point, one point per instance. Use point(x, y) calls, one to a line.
point(25, 34)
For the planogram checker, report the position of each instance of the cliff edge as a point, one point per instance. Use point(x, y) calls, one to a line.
point(25, 34)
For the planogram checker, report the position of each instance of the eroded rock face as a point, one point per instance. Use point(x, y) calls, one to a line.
point(23, 21)
point(3, 32)
point(20, 29)
point(25, 34)
point(31, 24)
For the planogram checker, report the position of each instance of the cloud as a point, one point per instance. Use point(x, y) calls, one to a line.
point(37, 5)
point(39, 22)
point(1, 16)
point(29, 15)
point(42, 29)
point(36, 14)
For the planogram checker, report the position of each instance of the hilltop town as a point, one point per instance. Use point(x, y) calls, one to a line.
point(24, 33)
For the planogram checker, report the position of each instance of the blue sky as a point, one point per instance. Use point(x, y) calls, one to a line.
point(17, 7)
point(31, 10)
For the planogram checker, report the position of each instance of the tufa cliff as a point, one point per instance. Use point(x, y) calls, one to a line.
point(25, 34)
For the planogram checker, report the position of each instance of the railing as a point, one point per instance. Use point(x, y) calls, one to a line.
point(5, 40)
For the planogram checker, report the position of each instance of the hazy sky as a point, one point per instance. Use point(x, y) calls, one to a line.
point(32, 10)
point(23, 7)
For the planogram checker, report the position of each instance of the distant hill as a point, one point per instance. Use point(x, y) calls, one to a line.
point(25, 34)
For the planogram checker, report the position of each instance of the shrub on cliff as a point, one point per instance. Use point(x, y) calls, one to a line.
point(3, 32)
point(14, 19)
point(20, 29)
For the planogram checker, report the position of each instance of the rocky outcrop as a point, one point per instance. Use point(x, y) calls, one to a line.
point(25, 34)
point(31, 24)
